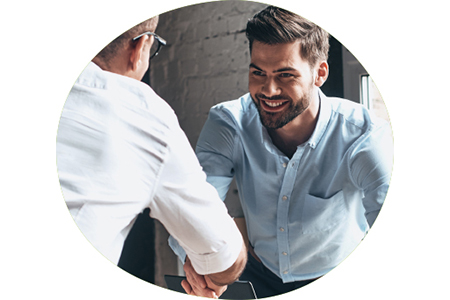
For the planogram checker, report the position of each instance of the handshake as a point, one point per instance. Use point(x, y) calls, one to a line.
point(212, 285)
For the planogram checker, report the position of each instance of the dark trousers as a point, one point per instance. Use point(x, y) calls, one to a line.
point(266, 283)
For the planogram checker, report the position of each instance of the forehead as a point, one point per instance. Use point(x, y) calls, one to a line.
point(277, 56)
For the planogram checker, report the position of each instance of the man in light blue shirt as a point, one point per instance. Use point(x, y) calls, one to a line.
point(312, 171)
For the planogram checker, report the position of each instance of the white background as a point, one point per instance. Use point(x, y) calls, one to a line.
point(45, 46)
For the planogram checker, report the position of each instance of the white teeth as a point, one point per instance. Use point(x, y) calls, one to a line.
point(273, 104)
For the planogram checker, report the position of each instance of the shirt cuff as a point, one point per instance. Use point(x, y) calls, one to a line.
point(217, 261)
point(214, 262)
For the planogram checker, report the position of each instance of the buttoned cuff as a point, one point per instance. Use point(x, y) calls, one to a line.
point(217, 261)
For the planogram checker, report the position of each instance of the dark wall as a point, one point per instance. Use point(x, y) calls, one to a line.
point(334, 86)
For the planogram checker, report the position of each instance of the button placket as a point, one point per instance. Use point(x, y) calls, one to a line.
point(283, 215)
point(287, 187)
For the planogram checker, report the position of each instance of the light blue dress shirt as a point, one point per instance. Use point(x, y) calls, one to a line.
point(306, 214)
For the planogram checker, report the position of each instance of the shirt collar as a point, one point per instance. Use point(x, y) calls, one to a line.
point(101, 78)
point(322, 122)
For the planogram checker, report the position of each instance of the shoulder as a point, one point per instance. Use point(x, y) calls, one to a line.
point(356, 129)
point(234, 111)
point(370, 137)
point(225, 124)
point(116, 92)
point(352, 114)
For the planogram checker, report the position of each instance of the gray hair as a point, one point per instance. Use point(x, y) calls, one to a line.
point(107, 53)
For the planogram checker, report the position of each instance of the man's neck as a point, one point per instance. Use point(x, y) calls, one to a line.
point(298, 131)
point(117, 64)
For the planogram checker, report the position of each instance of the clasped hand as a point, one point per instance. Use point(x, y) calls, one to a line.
point(200, 285)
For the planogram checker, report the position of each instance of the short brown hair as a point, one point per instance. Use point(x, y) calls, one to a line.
point(107, 53)
point(274, 25)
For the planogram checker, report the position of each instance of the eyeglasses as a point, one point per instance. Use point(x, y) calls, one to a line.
point(156, 44)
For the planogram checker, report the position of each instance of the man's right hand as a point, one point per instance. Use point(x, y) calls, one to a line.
point(213, 285)
point(199, 285)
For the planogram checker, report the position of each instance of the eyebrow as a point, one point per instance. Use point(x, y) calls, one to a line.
point(252, 65)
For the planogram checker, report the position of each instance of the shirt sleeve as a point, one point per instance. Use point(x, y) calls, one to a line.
point(214, 151)
point(192, 212)
point(215, 148)
point(371, 167)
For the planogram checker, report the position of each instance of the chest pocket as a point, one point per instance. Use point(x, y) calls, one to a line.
point(320, 214)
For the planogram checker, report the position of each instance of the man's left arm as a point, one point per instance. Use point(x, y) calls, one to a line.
point(371, 168)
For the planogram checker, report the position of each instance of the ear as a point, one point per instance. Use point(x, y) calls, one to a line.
point(137, 52)
point(321, 74)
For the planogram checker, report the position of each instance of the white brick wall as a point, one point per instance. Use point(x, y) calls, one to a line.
point(206, 59)
point(205, 62)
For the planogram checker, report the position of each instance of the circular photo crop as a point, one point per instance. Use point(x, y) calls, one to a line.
point(226, 149)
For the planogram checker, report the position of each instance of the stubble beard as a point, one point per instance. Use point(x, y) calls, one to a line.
point(280, 119)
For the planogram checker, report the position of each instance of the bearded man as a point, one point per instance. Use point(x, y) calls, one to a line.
point(312, 171)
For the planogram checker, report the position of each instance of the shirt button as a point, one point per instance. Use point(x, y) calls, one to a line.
point(281, 229)
point(284, 165)
point(284, 198)
point(285, 272)
point(284, 253)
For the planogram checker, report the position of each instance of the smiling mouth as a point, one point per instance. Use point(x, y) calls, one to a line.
point(273, 105)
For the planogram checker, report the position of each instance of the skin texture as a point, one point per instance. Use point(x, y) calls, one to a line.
point(281, 85)
point(284, 89)
point(213, 285)
point(199, 285)
point(131, 61)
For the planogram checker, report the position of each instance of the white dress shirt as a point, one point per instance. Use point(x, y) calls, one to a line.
point(119, 150)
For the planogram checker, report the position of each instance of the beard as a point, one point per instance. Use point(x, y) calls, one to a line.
point(280, 119)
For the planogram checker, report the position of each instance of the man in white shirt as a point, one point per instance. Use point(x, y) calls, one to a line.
point(120, 150)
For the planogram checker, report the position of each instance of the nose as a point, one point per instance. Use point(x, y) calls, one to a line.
point(270, 88)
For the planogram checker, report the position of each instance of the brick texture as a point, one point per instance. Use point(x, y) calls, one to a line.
point(205, 62)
